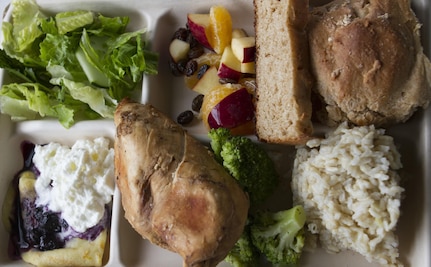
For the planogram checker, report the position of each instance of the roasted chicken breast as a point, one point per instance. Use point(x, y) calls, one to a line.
point(174, 193)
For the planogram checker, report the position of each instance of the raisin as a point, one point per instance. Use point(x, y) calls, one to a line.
point(196, 51)
point(173, 66)
point(192, 41)
point(181, 34)
point(197, 102)
point(185, 117)
point(181, 65)
point(202, 69)
point(191, 67)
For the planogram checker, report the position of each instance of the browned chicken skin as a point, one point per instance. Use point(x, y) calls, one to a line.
point(173, 191)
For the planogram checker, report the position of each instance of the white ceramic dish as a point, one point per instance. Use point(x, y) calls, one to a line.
point(162, 18)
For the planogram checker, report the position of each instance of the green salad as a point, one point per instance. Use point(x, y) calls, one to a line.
point(74, 65)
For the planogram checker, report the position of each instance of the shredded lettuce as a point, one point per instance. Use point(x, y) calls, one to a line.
point(71, 66)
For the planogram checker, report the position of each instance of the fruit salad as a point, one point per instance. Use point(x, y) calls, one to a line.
point(217, 62)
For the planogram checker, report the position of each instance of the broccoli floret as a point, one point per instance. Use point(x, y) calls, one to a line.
point(244, 253)
point(247, 162)
point(280, 235)
point(218, 137)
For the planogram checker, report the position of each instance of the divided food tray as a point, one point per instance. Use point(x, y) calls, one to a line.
point(162, 18)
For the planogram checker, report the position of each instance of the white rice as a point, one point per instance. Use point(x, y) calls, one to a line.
point(350, 191)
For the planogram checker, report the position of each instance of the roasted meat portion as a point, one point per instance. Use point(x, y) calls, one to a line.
point(174, 193)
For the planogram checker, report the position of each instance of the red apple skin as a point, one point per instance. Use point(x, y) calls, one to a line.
point(232, 111)
point(249, 54)
point(244, 48)
point(225, 72)
point(198, 25)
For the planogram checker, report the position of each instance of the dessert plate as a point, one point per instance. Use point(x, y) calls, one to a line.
point(168, 93)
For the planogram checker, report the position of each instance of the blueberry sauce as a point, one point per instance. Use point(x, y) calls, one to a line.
point(37, 227)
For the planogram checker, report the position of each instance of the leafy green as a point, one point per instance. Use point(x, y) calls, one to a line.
point(97, 100)
point(21, 36)
point(32, 101)
point(72, 20)
point(16, 68)
point(80, 63)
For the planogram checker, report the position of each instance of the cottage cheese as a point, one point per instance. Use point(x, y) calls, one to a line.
point(76, 181)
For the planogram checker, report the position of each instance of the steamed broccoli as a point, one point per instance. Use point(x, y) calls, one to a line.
point(244, 253)
point(280, 235)
point(218, 137)
point(247, 162)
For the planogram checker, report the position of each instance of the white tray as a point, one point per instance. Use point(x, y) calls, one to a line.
point(162, 18)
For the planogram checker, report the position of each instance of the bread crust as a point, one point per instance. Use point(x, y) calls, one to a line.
point(283, 106)
point(368, 61)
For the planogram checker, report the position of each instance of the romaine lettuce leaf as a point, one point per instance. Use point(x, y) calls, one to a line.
point(32, 100)
point(108, 26)
point(96, 98)
point(42, 51)
point(21, 36)
point(57, 52)
point(71, 20)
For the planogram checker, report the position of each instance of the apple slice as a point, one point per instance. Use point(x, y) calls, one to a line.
point(199, 25)
point(191, 81)
point(249, 67)
point(208, 81)
point(244, 48)
point(179, 49)
point(233, 110)
point(238, 33)
point(230, 66)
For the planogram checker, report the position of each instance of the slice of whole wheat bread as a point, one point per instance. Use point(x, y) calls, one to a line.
point(283, 106)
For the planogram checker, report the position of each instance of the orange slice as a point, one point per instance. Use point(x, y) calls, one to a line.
point(220, 28)
point(211, 59)
point(247, 128)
